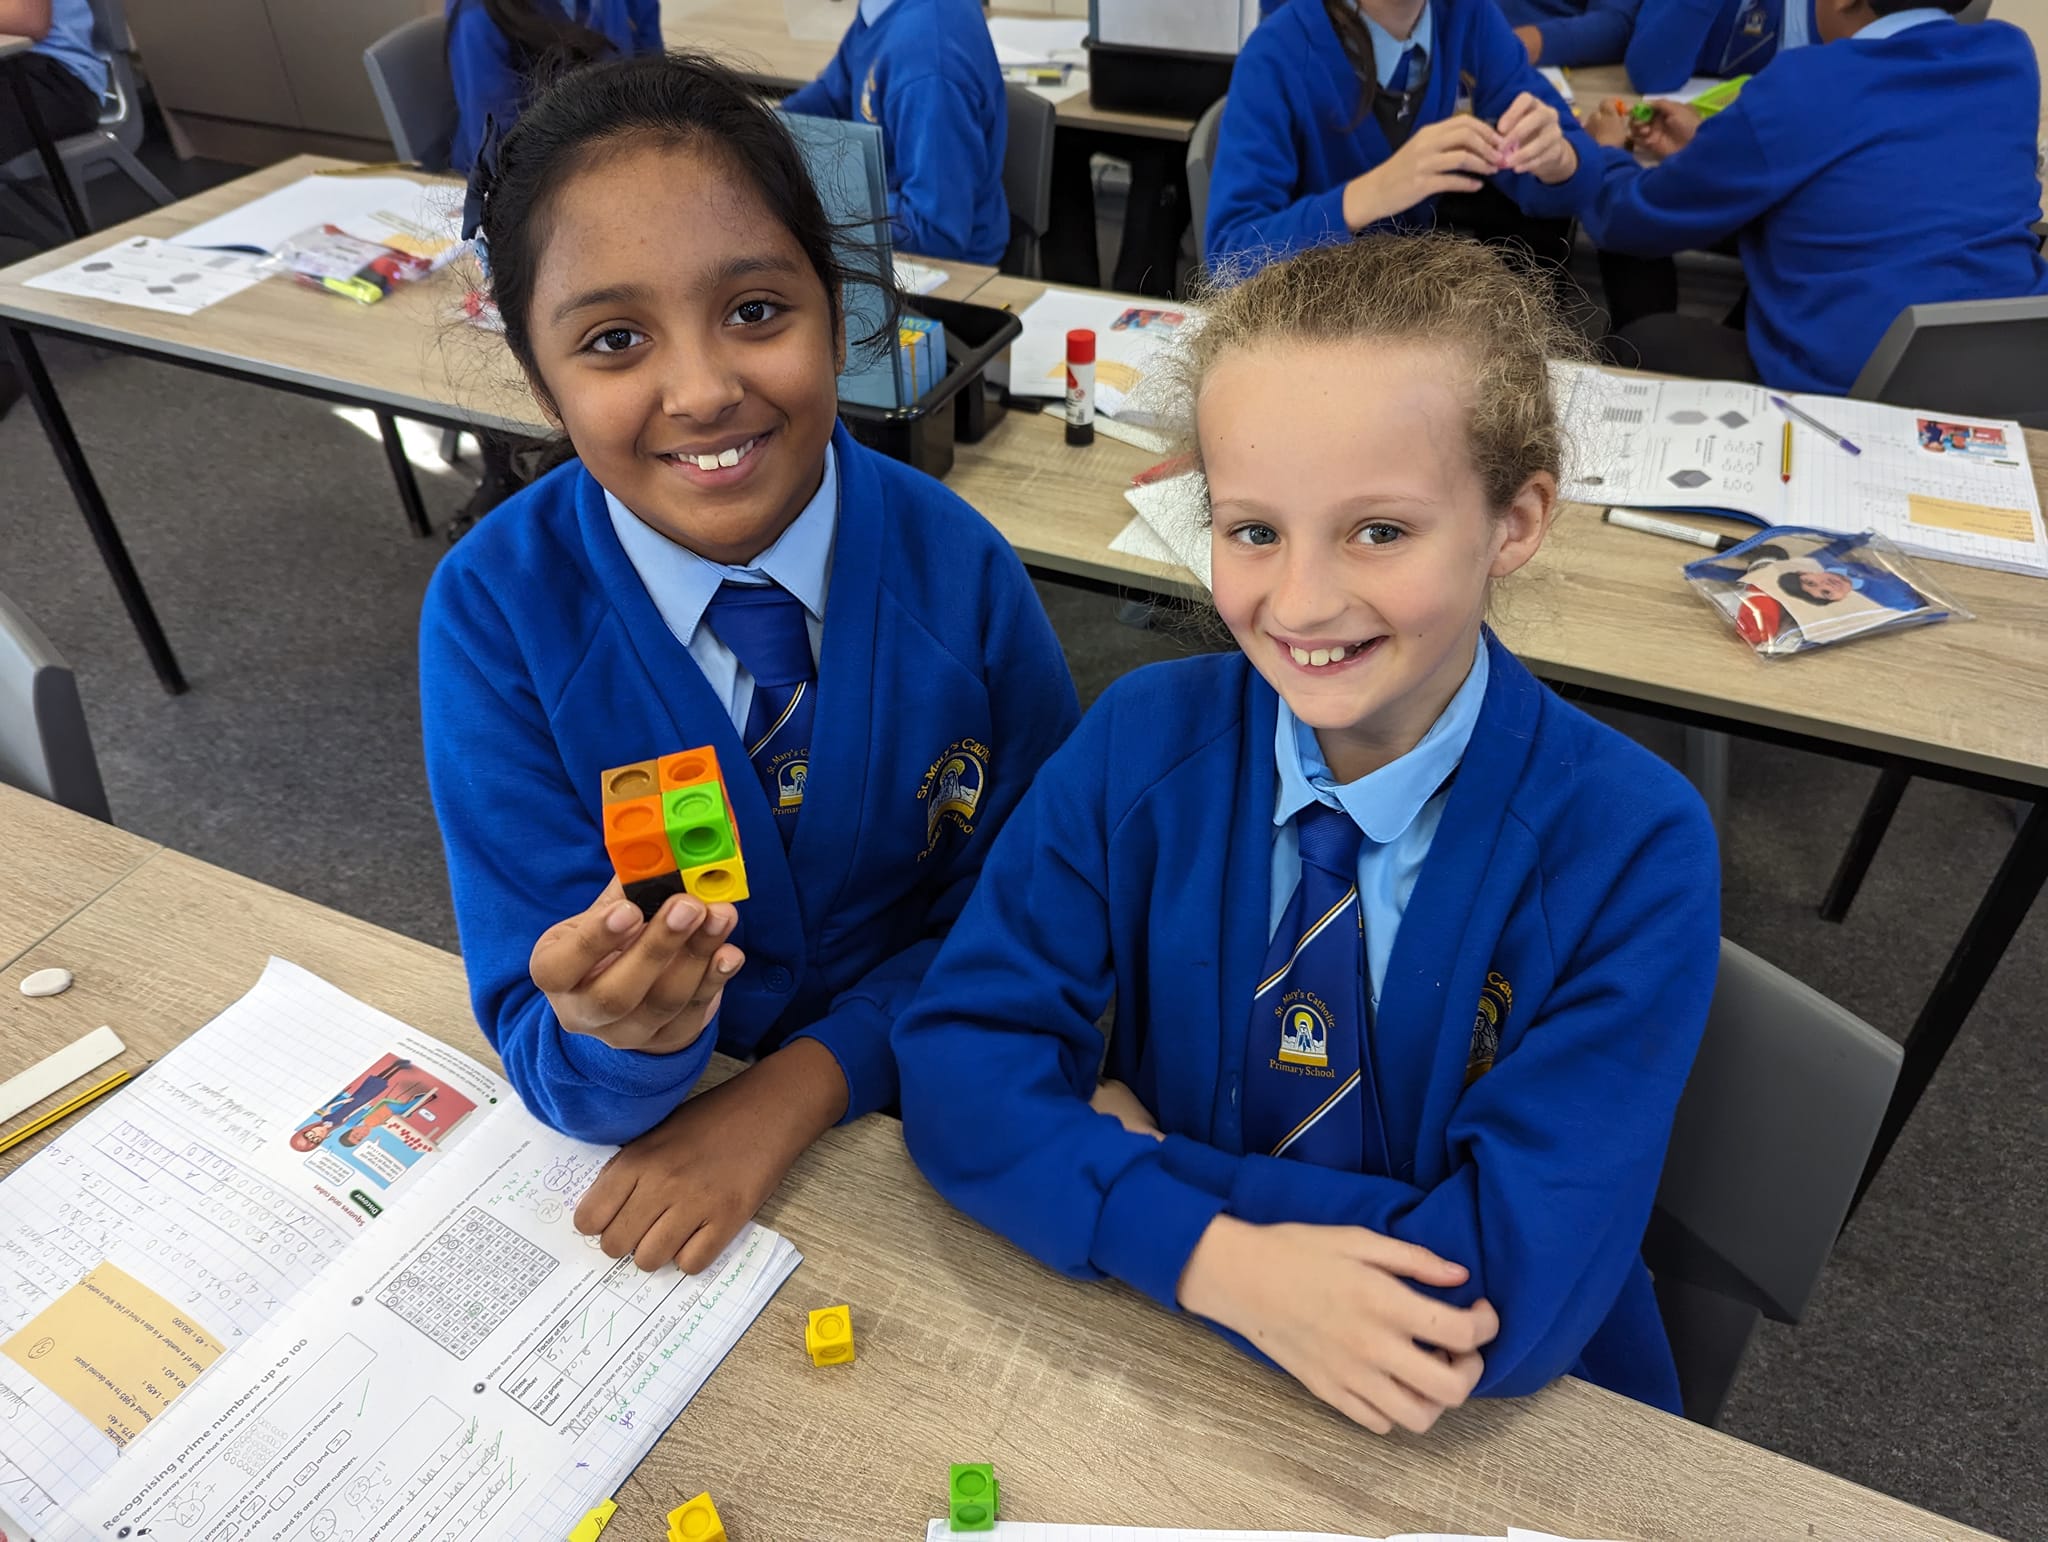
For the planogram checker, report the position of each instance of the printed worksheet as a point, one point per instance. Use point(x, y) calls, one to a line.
point(1960, 490)
point(311, 1197)
point(155, 275)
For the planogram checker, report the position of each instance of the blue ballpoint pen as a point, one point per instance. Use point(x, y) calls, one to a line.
point(1815, 424)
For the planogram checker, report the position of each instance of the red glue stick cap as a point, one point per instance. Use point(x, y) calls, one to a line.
point(1081, 346)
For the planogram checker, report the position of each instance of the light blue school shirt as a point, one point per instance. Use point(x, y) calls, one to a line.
point(1898, 21)
point(1387, 49)
point(681, 583)
point(69, 42)
point(1398, 807)
point(871, 10)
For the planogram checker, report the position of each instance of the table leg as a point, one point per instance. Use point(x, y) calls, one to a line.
point(1963, 979)
point(401, 473)
point(1863, 844)
point(113, 552)
point(53, 163)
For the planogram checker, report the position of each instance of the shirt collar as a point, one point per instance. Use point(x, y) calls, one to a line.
point(1384, 803)
point(1387, 49)
point(1899, 21)
point(871, 10)
point(681, 583)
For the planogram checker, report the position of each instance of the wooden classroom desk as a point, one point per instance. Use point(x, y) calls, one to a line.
point(408, 355)
point(753, 37)
point(1093, 1404)
point(53, 863)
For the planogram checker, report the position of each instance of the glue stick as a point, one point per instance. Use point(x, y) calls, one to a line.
point(1081, 386)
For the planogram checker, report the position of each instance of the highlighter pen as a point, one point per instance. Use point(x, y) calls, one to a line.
point(1628, 519)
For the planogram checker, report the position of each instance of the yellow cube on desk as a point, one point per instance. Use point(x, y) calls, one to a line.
point(696, 1521)
point(829, 1336)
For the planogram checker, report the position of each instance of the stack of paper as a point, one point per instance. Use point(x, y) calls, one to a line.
point(1956, 489)
point(1022, 42)
point(319, 1267)
point(422, 219)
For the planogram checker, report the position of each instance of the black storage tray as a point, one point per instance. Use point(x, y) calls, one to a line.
point(1165, 81)
point(923, 434)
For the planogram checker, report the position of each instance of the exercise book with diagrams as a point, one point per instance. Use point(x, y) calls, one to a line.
point(1940, 485)
point(315, 1275)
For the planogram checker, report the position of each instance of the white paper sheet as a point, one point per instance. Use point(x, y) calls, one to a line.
point(1640, 442)
point(422, 218)
point(916, 278)
point(1556, 77)
point(154, 275)
point(1022, 41)
point(1127, 338)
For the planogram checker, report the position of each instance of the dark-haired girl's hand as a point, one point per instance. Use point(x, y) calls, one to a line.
point(653, 985)
point(1534, 142)
point(1670, 131)
point(1451, 155)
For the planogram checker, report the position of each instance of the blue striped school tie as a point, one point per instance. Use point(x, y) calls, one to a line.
point(1308, 1094)
point(764, 626)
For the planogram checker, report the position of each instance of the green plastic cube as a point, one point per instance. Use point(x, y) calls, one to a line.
point(973, 1496)
point(698, 829)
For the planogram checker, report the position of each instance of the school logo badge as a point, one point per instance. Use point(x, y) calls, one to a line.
point(1496, 1000)
point(790, 774)
point(867, 97)
point(952, 789)
point(1304, 1029)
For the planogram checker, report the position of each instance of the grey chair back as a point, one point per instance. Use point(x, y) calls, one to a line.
point(1027, 178)
point(1976, 10)
point(1980, 357)
point(1769, 1142)
point(1201, 158)
point(408, 69)
point(44, 746)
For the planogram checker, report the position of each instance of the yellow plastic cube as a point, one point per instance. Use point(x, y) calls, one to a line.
point(829, 1336)
point(695, 1521)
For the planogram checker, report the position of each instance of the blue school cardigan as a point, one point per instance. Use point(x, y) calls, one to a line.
point(491, 83)
point(1539, 1016)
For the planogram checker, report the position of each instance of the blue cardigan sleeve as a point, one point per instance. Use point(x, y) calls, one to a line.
point(935, 143)
point(487, 83)
point(523, 853)
point(830, 95)
point(1666, 44)
point(1715, 186)
point(1501, 71)
point(1254, 211)
point(1000, 1052)
point(1597, 35)
point(1033, 708)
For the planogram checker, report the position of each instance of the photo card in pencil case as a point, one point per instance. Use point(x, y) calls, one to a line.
point(1788, 589)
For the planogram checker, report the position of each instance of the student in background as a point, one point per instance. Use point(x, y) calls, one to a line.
point(1349, 115)
point(721, 564)
point(926, 71)
point(1676, 39)
point(63, 77)
point(495, 48)
point(1820, 171)
point(1409, 958)
point(1572, 33)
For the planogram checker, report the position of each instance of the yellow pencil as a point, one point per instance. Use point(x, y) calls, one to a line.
point(8, 1143)
point(1785, 459)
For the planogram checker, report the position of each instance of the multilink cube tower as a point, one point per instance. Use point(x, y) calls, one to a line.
point(669, 829)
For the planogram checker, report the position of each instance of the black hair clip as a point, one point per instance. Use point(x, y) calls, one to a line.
point(483, 176)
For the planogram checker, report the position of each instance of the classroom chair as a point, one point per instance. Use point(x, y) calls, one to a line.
point(408, 69)
point(1201, 158)
point(1771, 1136)
point(1027, 178)
point(110, 145)
point(1973, 358)
point(1976, 10)
point(44, 746)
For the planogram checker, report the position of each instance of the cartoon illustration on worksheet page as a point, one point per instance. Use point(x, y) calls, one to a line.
point(381, 1123)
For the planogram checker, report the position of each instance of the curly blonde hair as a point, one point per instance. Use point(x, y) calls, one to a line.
point(1438, 289)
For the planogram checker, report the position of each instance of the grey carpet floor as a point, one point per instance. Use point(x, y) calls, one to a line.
point(269, 535)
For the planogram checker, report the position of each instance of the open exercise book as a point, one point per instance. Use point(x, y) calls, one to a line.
point(1957, 489)
point(314, 1275)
